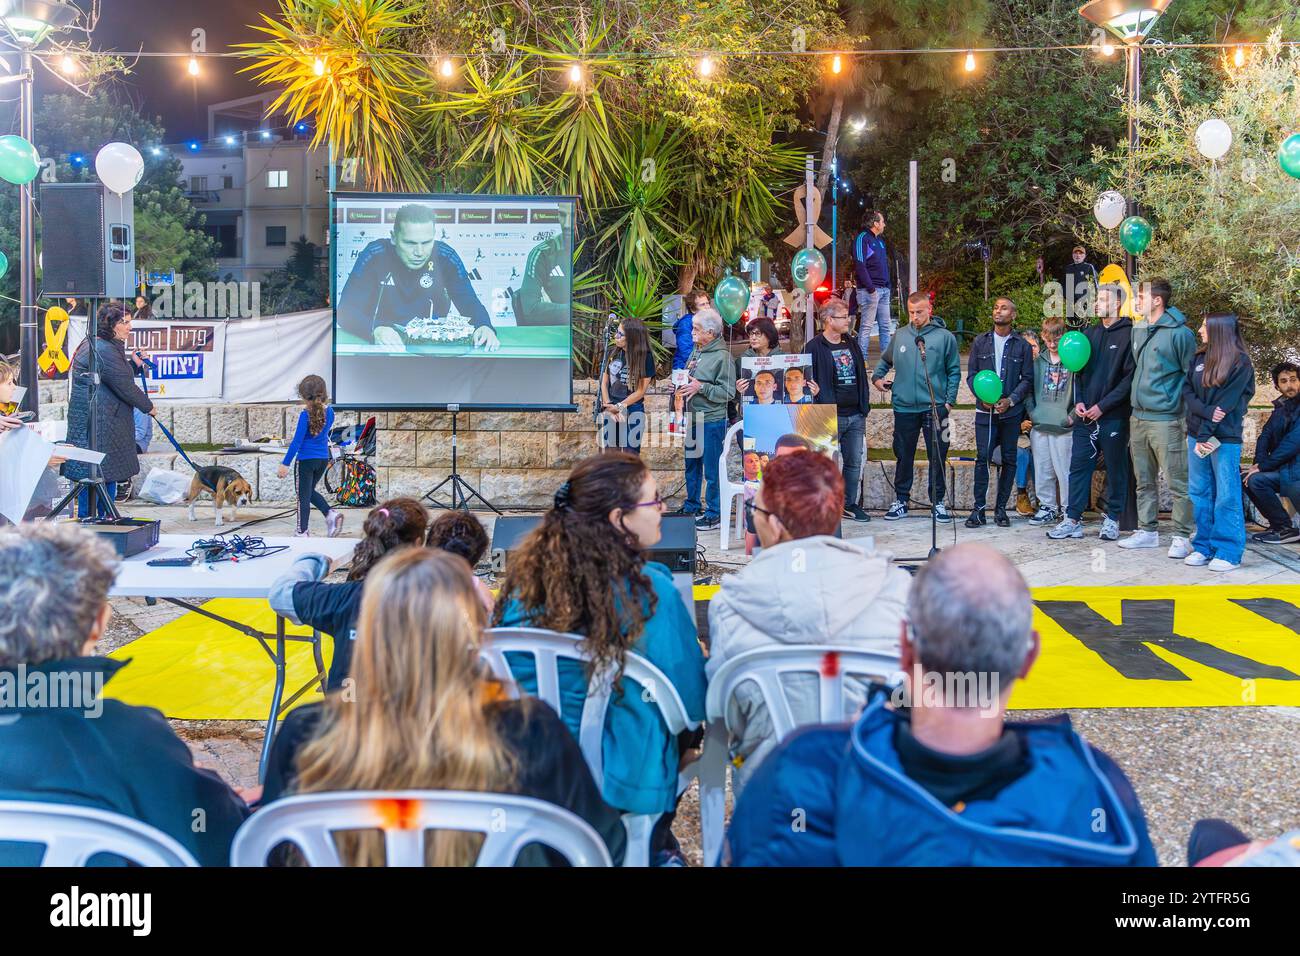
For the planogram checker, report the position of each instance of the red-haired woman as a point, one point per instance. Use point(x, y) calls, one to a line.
point(843, 594)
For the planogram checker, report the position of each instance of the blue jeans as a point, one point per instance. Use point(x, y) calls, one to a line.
point(83, 501)
point(873, 309)
point(1024, 465)
point(1214, 485)
point(705, 467)
point(853, 436)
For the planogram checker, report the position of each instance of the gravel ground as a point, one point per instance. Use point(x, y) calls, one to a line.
point(1238, 763)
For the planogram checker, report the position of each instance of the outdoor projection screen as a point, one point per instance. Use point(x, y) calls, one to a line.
point(453, 300)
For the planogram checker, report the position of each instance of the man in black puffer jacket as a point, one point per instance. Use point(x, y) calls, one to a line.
point(1277, 459)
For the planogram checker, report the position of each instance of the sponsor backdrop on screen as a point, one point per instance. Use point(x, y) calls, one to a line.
point(445, 300)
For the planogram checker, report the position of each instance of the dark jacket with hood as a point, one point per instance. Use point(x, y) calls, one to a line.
point(1278, 444)
point(861, 809)
point(1232, 396)
point(1107, 380)
point(111, 756)
point(942, 360)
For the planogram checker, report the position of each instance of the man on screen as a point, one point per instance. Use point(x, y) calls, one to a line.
point(410, 276)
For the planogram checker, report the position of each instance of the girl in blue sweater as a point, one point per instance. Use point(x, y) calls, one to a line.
point(311, 447)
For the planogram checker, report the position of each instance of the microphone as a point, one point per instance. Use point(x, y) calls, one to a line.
point(920, 344)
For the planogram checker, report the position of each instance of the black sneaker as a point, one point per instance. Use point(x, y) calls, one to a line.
point(896, 511)
point(706, 524)
point(941, 513)
point(1277, 536)
point(681, 513)
point(976, 519)
point(1000, 518)
point(857, 513)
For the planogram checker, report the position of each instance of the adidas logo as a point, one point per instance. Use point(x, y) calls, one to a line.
point(474, 274)
point(557, 272)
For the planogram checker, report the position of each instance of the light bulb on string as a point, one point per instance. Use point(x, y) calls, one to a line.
point(69, 65)
point(319, 66)
point(970, 62)
point(1239, 57)
point(192, 67)
point(1108, 49)
point(837, 65)
point(447, 68)
point(706, 66)
point(575, 73)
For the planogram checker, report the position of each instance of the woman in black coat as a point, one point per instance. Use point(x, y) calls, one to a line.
point(116, 395)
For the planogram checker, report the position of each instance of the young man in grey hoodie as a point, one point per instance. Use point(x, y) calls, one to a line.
point(1163, 347)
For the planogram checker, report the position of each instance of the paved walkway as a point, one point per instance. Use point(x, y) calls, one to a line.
point(1239, 763)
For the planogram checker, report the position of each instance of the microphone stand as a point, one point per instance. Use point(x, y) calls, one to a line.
point(934, 430)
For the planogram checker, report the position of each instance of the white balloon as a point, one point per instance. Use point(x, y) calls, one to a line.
point(1109, 209)
point(119, 166)
point(1213, 138)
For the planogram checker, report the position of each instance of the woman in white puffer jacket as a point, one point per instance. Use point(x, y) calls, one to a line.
point(805, 587)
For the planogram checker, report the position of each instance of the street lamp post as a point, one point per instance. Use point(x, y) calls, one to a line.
point(28, 22)
point(1130, 22)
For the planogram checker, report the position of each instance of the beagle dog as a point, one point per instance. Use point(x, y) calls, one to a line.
point(226, 486)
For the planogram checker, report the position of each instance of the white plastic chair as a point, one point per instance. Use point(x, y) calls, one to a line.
point(731, 494)
point(72, 835)
point(548, 648)
point(765, 667)
point(507, 821)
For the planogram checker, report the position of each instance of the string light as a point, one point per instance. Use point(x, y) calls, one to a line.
point(447, 69)
point(575, 73)
point(1108, 49)
point(970, 62)
point(1239, 58)
point(193, 67)
point(836, 64)
point(69, 65)
point(319, 66)
point(706, 66)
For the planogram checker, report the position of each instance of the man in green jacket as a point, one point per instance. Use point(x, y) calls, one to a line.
point(924, 356)
point(1163, 347)
point(711, 383)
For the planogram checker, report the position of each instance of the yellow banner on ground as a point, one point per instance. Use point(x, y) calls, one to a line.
point(1171, 646)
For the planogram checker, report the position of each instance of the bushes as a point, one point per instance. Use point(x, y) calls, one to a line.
point(959, 294)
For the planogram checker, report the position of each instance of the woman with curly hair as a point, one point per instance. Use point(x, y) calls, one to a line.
point(300, 596)
point(584, 571)
point(426, 715)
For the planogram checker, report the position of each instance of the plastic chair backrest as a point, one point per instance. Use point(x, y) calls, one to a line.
point(767, 665)
point(548, 648)
point(72, 835)
point(508, 823)
point(731, 494)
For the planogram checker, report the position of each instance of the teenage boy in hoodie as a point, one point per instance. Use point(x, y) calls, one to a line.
point(1051, 436)
point(1277, 467)
point(921, 347)
point(1163, 347)
point(840, 372)
point(998, 425)
point(1102, 410)
point(796, 513)
point(711, 385)
point(934, 777)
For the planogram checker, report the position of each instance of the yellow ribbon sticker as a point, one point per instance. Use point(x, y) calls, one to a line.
point(56, 333)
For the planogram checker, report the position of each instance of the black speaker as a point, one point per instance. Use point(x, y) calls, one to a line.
point(72, 240)
point(676, 548)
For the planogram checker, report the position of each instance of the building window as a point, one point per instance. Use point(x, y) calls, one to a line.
point(276, 236)
point(227, 182)
point(277, 179)
point(227, 241)
point(198, 184)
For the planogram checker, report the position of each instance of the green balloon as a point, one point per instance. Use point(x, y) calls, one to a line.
point(1288, 156)
point(1075, 350)
point(808, 267)
point(1135, 235)
point(987, 387)
point(4, 264)
point(731, 298)
point(19, 161)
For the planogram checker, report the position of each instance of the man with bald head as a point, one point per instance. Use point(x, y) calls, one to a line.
point(931, 774)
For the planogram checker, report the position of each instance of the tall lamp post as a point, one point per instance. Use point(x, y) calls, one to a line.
point(28, 22)
point(1130, 22)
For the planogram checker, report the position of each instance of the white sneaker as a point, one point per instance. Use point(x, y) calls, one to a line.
point(334, 523)
point(1109, 530)
point(1179, 547)
point(302, 534)
point(1218, 564)
point(1196, 560)
point(1141, 539)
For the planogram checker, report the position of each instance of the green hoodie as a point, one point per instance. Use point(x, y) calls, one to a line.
point(1161, 366)
point(716, 371)
point(1052, 400)
point(942, 360)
